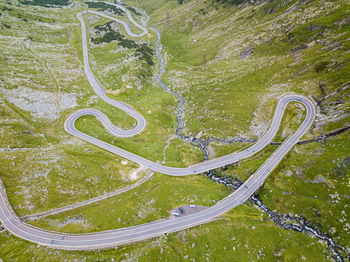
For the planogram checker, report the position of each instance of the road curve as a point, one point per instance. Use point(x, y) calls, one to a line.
point(194, 169)
point(98, 88)
point(121, 236)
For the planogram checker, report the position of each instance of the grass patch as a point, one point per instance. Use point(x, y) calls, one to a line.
point(150, 201)
point(238, 236)
point(46, 3)
point(142, 51)
point(105, 7)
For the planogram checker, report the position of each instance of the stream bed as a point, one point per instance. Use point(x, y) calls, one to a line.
point(295, 223)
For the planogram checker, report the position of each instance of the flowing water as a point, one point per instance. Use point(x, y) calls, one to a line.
point(296, 223)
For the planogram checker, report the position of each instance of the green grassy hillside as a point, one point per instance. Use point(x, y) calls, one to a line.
point(231, 61)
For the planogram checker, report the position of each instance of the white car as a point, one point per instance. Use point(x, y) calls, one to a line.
point(176, 214)
point(192, 206)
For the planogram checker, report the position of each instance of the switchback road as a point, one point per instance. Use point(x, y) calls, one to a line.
point(149, 230)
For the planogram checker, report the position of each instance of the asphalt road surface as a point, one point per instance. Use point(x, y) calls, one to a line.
point(149, 230)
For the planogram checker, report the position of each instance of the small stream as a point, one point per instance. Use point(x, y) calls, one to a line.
point(296, 223)
point(197, 142)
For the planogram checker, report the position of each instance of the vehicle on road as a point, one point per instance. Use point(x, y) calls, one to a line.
point(176, 214)
point(192, 206)
point(181, 210)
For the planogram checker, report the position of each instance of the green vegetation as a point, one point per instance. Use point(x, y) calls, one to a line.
point(232, 2)
point(6, 25)
point(150, 201)
point(142, 51)
point(304, 50)
point(105, 7)
point(132, 9)
point(289, 55)
point(46, 3)
point(243, 235)
point(341, 168)
point(232, 79)
point(5, 8)
point(305, 185)
point(41, 166)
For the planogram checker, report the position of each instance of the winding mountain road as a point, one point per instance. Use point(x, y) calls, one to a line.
point(149, 230)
